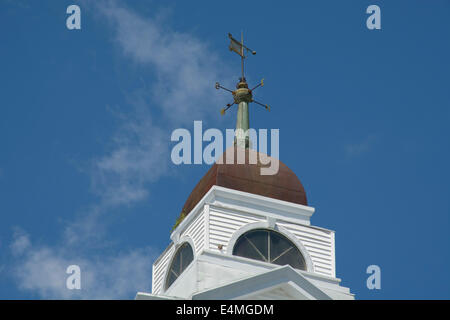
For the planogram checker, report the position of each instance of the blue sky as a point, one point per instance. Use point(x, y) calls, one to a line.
point(86, 117)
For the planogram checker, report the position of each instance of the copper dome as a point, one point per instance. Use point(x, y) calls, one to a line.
point(283, 185)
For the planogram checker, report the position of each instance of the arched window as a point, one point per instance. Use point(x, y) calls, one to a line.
point(182, 258)
point(269, 246)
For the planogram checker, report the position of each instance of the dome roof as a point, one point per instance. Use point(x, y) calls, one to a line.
point(283, 185)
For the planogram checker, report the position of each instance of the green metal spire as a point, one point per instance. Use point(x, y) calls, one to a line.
point(242, 97)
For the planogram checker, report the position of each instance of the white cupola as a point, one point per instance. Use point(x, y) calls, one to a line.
point(242, 235)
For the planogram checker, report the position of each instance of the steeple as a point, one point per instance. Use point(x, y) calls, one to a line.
point(245, 235)
point(242, 96)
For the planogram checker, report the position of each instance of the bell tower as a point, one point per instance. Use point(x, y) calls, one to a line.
point(244, 235)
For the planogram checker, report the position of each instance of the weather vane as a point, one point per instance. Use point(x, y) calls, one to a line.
point(242, 96)
point(243, 93)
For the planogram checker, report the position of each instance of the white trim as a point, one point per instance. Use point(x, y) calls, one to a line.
point(271, 221)
point(246, 228)
point(287, 211)
point(260, 205)
point(187, 239)
point(194, 212)
point(299, 244)
point(266, 225)
point(153, 278)
point(266, 201)
point(237, 261)
point(252, 285)
point(150, 296)
point(333, 254)
point(206, 221)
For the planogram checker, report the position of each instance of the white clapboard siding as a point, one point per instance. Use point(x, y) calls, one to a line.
point(319, 243)
point(195, 231)
point(222, 225)
point(159, 269)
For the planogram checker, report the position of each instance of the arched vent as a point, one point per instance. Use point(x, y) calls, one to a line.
point(181, 260)
point(269, 246)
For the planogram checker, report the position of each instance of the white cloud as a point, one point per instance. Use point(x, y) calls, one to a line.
point(359, 148)
point(185, 67)
point(21, 242)
point(42, 270)
point(185, 71)
point(138, 157)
